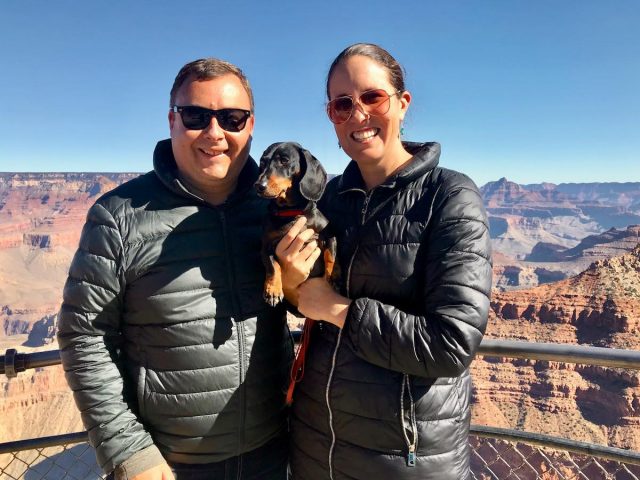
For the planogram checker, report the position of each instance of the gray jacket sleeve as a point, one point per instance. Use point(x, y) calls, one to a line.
point(455, 297)
point(89, 337)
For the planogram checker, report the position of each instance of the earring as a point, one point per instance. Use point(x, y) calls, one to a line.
point(339, 146)
point(401, 131)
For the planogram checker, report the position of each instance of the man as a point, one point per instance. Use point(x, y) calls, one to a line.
point(177, 365)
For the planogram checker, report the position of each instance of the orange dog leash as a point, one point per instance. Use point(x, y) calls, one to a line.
point(297, 369)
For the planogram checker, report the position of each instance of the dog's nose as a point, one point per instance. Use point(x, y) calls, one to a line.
point(260, 186)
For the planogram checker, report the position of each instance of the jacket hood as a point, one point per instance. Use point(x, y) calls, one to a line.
point(166, 169)
point(425, 158)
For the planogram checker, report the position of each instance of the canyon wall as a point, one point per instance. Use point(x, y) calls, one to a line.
point(565, 270)
point(599, 307)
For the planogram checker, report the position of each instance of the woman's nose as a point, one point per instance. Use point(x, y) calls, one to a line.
point(359, 113)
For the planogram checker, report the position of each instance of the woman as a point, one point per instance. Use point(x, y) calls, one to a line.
point(386, 386)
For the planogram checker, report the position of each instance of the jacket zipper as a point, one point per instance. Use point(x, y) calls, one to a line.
point(239, 327)
point(412, 445)
point(338, 341)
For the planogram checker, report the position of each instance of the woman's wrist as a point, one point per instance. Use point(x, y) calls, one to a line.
point(338, 312)
point(291, 295)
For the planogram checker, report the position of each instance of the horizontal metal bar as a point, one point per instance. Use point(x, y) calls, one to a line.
point(43, 442)
point(557, 443)
point(25, 361)
point(517, 436)
point(561, 352)
point(554, 352)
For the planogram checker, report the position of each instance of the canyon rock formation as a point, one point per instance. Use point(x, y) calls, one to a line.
point(41, 216)
point(543, 234)
point(599, 307)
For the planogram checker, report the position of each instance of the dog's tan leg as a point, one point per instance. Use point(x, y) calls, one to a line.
point(329, 264)
point(273, 293)
point(331, 267)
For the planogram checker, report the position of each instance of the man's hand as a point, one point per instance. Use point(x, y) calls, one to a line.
point(296, 255)
point(159, 472)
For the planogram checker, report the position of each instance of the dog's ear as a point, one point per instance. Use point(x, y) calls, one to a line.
point(314, 179)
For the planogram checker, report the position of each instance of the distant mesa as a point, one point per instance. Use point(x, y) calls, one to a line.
point(607, 244)
point(547, 222)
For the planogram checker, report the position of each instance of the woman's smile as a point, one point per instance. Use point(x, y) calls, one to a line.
point(364, 135)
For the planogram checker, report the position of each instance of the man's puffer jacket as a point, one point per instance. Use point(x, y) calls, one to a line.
point(388, 395)
point(164, 334)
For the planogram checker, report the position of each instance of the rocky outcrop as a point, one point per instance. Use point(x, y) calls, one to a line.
point(43, 332)
point(20, 321)
point(601, 307)
point(37, 403)
point(36, 205)
point(604, 298)
point(41, 218)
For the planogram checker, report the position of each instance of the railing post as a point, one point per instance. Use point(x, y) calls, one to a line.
point(13, 363)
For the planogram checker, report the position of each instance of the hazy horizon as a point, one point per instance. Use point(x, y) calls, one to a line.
point(89, 172)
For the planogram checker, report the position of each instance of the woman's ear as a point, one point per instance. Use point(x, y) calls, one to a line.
point(405, 100)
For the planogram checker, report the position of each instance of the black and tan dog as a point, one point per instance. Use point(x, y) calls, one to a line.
point(294, 180)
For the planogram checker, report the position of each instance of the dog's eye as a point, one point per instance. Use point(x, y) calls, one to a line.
point(284, 160)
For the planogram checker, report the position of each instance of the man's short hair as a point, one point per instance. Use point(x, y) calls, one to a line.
point(208, 69)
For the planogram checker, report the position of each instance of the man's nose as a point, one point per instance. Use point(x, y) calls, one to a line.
point(213, 130)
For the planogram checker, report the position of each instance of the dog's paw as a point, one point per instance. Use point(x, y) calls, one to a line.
point(273, 298)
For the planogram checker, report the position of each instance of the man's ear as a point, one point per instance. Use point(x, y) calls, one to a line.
point(251, 123)
point(172, 119)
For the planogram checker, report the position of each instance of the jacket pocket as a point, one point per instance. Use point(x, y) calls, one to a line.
point(141, 390)
point(462, 392)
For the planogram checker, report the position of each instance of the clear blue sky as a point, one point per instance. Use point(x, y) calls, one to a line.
point(534, 90)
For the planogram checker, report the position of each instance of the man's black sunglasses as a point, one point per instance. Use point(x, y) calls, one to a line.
point(199, 118)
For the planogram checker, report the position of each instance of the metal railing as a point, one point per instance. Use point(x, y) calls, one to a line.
point(57, 457)
point(497, 454)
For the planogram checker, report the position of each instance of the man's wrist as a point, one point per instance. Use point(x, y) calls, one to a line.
point(139, 462)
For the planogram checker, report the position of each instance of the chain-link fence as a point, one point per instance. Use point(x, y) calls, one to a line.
point(496, 454)
point(492, 458)
point(498, 459)
point(51, 458)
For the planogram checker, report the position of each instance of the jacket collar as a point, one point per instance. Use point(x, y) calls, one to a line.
point(425, 158)
point(166, 169)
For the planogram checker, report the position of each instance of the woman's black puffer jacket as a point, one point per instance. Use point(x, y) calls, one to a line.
point(387, 397)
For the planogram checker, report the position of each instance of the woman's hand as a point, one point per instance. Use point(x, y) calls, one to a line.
point(318, 300)
point(296, 255)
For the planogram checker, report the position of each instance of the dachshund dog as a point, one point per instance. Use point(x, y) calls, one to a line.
point(294, 180)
